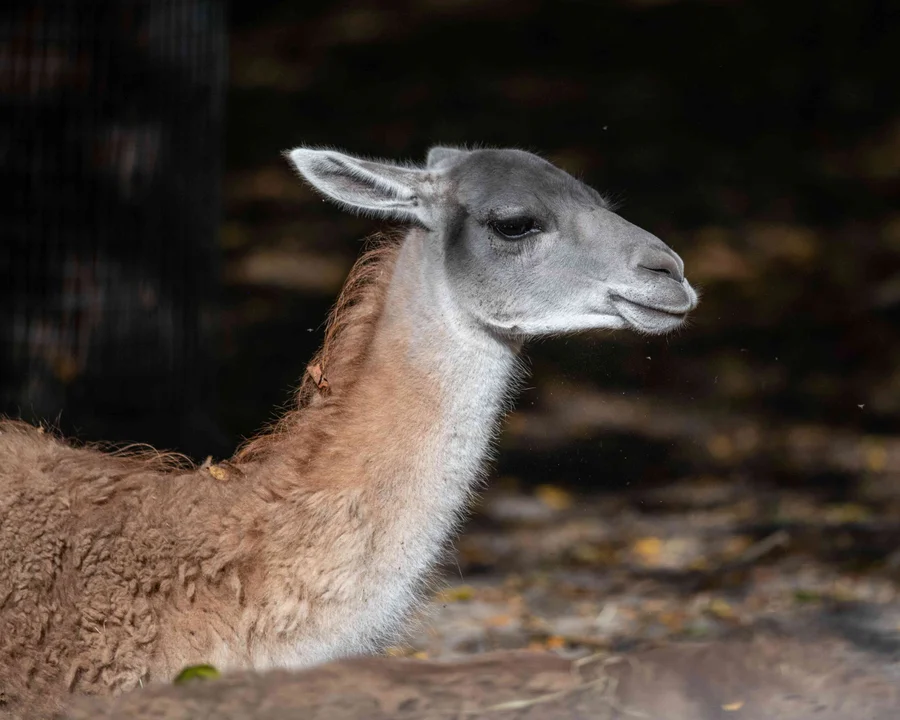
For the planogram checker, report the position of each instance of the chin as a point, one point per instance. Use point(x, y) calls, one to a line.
point(662, 327)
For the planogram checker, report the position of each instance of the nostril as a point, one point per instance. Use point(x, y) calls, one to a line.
point(663, 264)
point(661, 271)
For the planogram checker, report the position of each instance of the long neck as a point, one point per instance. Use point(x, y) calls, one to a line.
point(399, 355)
point(426, 403)
point(370, 480)
point(438, 385)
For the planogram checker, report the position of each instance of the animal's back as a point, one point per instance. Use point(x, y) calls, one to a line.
point(89, 545)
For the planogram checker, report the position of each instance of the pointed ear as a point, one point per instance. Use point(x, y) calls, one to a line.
point(363, 185)
point(440, 155)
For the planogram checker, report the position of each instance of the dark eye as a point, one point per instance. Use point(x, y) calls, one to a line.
point(515, 228)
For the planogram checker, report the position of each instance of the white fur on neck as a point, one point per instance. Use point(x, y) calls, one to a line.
point(474, 374)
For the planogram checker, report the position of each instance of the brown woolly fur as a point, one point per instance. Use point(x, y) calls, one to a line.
point(139, 563)
point(82, 612)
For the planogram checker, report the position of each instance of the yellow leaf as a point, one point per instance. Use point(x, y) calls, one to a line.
point(672, 620)
point(592, 554)
point(846, 513)
point(721, 609)
point(217, 472)
point(648, 549)
point(460, 593)
point(731, 707)
point(736, 545)
point(553, 497)
point(806, 596)
point(875, 457)
point(555, 642)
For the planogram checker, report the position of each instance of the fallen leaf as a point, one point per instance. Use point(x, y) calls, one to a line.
point(396, 651)
point(672, 620)
point(699, 564)
point(731, 707)
point(806, 596)
point(875, 456)
point(721, 609)
point(461, 593)
point(846, 513)
point(593, 554)
point(555, 642)
point(553, 497)
point(736, 545)
point(196, 672)
point(648, 549)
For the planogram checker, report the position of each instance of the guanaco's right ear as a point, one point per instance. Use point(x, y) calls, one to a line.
point(364, 185)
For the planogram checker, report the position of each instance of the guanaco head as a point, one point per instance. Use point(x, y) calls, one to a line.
point(527, 250)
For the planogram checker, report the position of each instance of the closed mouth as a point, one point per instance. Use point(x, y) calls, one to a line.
point(647, 317)
point(661, 311)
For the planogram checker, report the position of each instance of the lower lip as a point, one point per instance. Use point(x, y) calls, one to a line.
point(647, 308)
point(666, 320)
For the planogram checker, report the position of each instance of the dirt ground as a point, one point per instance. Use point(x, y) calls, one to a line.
point(545, 568)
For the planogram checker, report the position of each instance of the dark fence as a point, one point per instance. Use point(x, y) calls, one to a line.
point(111, 134)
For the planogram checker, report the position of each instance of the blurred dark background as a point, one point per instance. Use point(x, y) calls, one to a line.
point(166, 277)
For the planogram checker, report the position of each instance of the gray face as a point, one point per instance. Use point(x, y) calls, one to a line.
point(534, 251)
point(527, 249)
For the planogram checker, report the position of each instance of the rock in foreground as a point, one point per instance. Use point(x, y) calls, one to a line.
point(767, 677)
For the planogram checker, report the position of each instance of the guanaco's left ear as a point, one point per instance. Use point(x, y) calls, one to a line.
point(364, 185)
